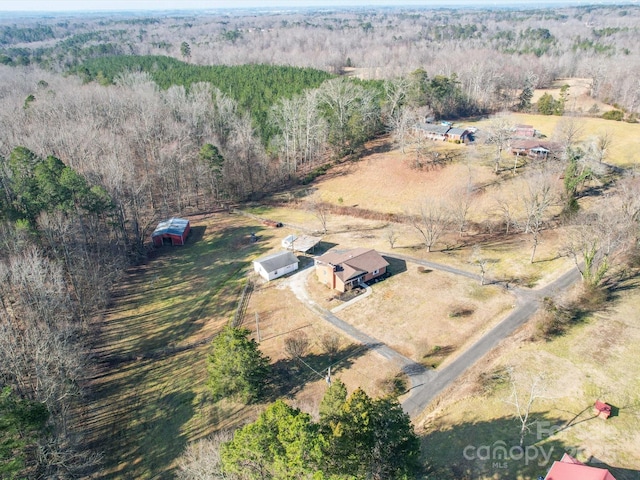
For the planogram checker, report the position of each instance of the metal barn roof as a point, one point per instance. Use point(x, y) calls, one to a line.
point(173, 226)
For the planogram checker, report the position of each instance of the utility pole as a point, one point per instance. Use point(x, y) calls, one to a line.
point(258, 326)
point(328, 377)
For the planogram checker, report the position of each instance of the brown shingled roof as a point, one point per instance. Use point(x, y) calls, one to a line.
point(354, 262)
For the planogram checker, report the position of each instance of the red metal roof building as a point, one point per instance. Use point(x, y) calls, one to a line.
point(568, 468)
point(171, 232)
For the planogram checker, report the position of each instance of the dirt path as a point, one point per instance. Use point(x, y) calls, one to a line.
point(428, 384)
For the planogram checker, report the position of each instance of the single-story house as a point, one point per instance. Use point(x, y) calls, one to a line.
point(568, 468)
point(457, 134)
point(275, 265)
point(343, 271)
point(171, 232)
point(533, 148)
point(443, 132)
point(433, 131)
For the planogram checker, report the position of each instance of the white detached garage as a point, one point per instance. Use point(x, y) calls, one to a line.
point(275, 265)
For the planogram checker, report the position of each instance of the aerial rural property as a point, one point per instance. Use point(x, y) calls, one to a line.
point(265, 241)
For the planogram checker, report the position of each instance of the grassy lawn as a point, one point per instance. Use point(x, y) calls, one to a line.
point(151, 395)
point(424, 314)
point(590, 362)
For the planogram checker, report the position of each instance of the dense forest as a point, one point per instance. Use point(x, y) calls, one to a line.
point(108, 124)
point(493, 52)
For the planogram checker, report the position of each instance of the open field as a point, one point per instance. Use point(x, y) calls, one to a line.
point(590, 362)
point(625, 136)
point(579, 102)
point(150, 390)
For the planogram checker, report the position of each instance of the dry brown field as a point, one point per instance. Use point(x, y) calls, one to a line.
point(595, 360)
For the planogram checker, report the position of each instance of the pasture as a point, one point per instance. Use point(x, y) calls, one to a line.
point(150, 390)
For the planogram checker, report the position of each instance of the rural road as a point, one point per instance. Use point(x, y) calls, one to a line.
point(428, 384)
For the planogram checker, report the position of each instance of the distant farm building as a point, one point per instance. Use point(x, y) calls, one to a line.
point(171, 232)
point(524, 131)
point(343, 271)
point(571, 469)
point(275, 265)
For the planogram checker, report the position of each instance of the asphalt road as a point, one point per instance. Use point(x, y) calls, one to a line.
point(428, 384)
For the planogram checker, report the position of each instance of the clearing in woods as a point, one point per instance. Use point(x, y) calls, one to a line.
point(151, 397)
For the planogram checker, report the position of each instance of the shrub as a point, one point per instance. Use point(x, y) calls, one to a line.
point(616, 115)
point(460, 311)
point(553, 320)
point(393, 386)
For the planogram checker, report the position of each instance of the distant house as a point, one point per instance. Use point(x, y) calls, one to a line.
point(533, 148)
point(571, 469)
point(524, 131)
point(432, 131)
point(171, 232)
point(343, 271)
point(444, 132)
point(275, 265)
point(457, 134)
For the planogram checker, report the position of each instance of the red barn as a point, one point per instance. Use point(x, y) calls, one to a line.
point(171, 232)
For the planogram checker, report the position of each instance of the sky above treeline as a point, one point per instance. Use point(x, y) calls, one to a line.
point(158, 5)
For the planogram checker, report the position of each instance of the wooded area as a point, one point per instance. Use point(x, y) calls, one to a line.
point(109, 124)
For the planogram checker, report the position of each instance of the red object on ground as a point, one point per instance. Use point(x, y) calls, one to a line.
point(603, 409)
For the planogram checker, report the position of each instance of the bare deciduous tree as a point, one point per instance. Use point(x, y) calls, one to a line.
point(459, 205)
point(296, 344)
point(505, 208)
point(201, 460)
point(331, 343)
point(431, 222)
point(499, 133)
point(596, 239)
point(538, 195)
point(479, 259)
point(525, 390)
point(392, 236)
point(320, 210)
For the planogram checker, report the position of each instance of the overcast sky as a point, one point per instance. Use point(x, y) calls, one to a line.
point(124, 5)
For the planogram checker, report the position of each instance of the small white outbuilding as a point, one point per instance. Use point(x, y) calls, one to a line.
point(275, 265)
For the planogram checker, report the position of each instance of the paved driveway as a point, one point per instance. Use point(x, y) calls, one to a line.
point(425, 385)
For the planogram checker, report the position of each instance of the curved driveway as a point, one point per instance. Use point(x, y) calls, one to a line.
point(427, 384)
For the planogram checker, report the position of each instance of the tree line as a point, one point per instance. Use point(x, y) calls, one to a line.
point(493, 51)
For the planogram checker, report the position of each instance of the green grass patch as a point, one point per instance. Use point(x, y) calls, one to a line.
point(153, 399)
